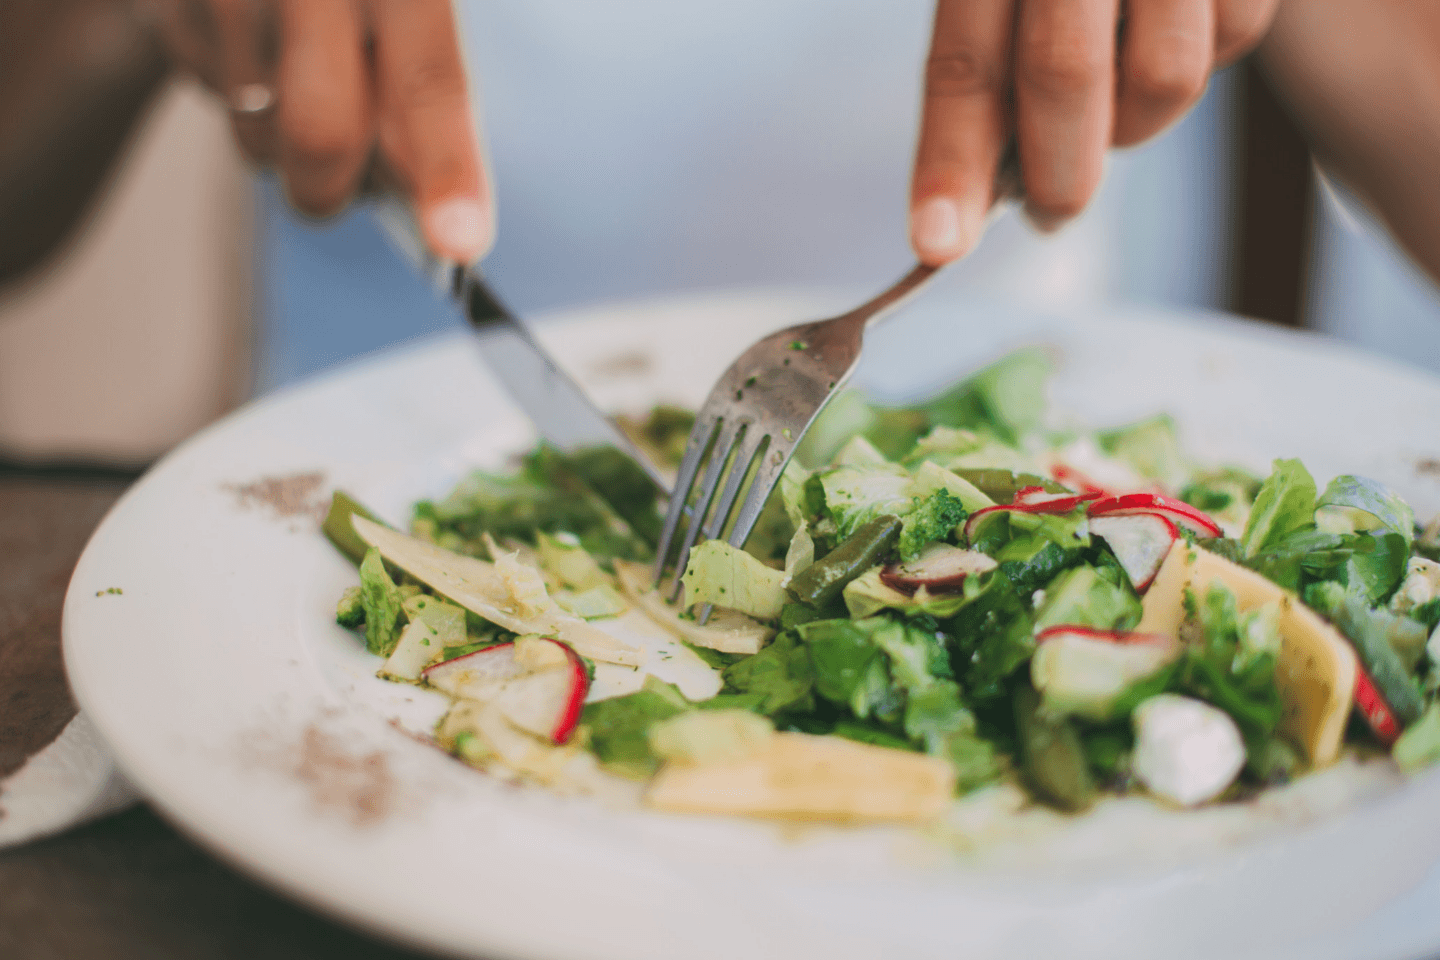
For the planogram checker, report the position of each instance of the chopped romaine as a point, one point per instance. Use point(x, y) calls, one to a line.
point(1082, 597)
point(382, 601)
point(718, 573)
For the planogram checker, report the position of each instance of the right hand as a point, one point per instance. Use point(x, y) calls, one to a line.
point(343, 86)
point(1065, 82)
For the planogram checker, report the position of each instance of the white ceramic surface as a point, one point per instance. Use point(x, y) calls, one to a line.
point(254, 723)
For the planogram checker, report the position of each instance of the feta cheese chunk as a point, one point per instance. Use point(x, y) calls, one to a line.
point(1185, 751)
point(1420, 586)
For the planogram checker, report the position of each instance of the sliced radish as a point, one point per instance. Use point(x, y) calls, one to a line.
point(1374, 709)
point(1121, 637)
point(545, 701)
point(1040, 500)
point(476, 676)
point(1076, 480)
point(1178, 511)
point(1027, 500)
point(1139, 541)
point(941, 568)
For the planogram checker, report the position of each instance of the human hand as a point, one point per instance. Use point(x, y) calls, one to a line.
point(330, 91)
point(1048, 73)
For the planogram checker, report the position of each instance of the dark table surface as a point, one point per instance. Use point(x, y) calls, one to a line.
point(127, 886)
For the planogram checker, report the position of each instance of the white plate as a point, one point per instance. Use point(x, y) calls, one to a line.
point(256, 724)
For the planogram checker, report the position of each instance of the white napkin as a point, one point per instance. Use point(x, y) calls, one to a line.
point(72, 781)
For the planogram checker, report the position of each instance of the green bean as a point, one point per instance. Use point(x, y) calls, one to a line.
point(1052, 755)
point(338, 528)
point(1002, 485)
point(822, 581)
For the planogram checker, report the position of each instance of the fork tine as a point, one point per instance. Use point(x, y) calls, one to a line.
point(760, 489)
point(699, 442)
point(761, 486)
point(752, 446)
point(730, 435)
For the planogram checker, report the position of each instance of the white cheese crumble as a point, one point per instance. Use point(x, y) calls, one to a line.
point(1185, 751)
point(1420, 586)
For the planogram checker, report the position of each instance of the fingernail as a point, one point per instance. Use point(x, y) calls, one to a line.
point(1044, 222)
point(459, 229)
point(936, 229)
point(944, 230)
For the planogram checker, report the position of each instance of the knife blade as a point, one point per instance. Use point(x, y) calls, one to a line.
point(563, 415)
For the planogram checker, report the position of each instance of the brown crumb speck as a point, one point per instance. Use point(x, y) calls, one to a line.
point(361, 786)
point(295, 495)
point(1428, 466)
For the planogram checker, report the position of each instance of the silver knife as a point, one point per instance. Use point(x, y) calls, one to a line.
point(560, 410)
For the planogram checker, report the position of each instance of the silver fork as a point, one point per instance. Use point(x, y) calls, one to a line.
point(760, 408)
point(755, 416)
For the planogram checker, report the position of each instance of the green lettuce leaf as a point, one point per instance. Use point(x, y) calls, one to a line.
point(1151, 447)
point(844, 661)
point(1419, 746)
point(854, 496)
point(781, 676)
point(992, 634)
point(619, 727)
point(847, 414)
point(1041, 567)
point(1082, 597)
point(917, 655)
point(1377, 504)
point(1389, 645)
point(1007, 397)
point(1284, 505)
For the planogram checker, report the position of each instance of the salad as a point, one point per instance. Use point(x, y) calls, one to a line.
point(936, 599)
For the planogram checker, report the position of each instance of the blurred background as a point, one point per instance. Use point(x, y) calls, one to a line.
point(639, 149)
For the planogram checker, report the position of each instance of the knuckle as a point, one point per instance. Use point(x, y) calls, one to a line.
point(318, 141)
point(961, 72)
point(1166, 77)
point(1059, 67)
point(429, 80)
point(1238, 28)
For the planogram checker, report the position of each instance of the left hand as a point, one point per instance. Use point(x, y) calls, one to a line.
point(330, 91)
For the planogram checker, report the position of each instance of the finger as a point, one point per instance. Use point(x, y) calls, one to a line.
point(428, 128)
point(963, 127)
point(1239, 26)
point(1165, 60)
point(247, 70)
point(324, 119)
point(1064, 93)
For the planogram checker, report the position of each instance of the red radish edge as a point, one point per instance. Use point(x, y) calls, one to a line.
point(1110, 636)
point(1372, 706)
point(580, 684)
point(1040, 500)
point(508, 644)
point(1062, 503)
point(1074, 478)
point(565, 725)
point(1177, 510)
